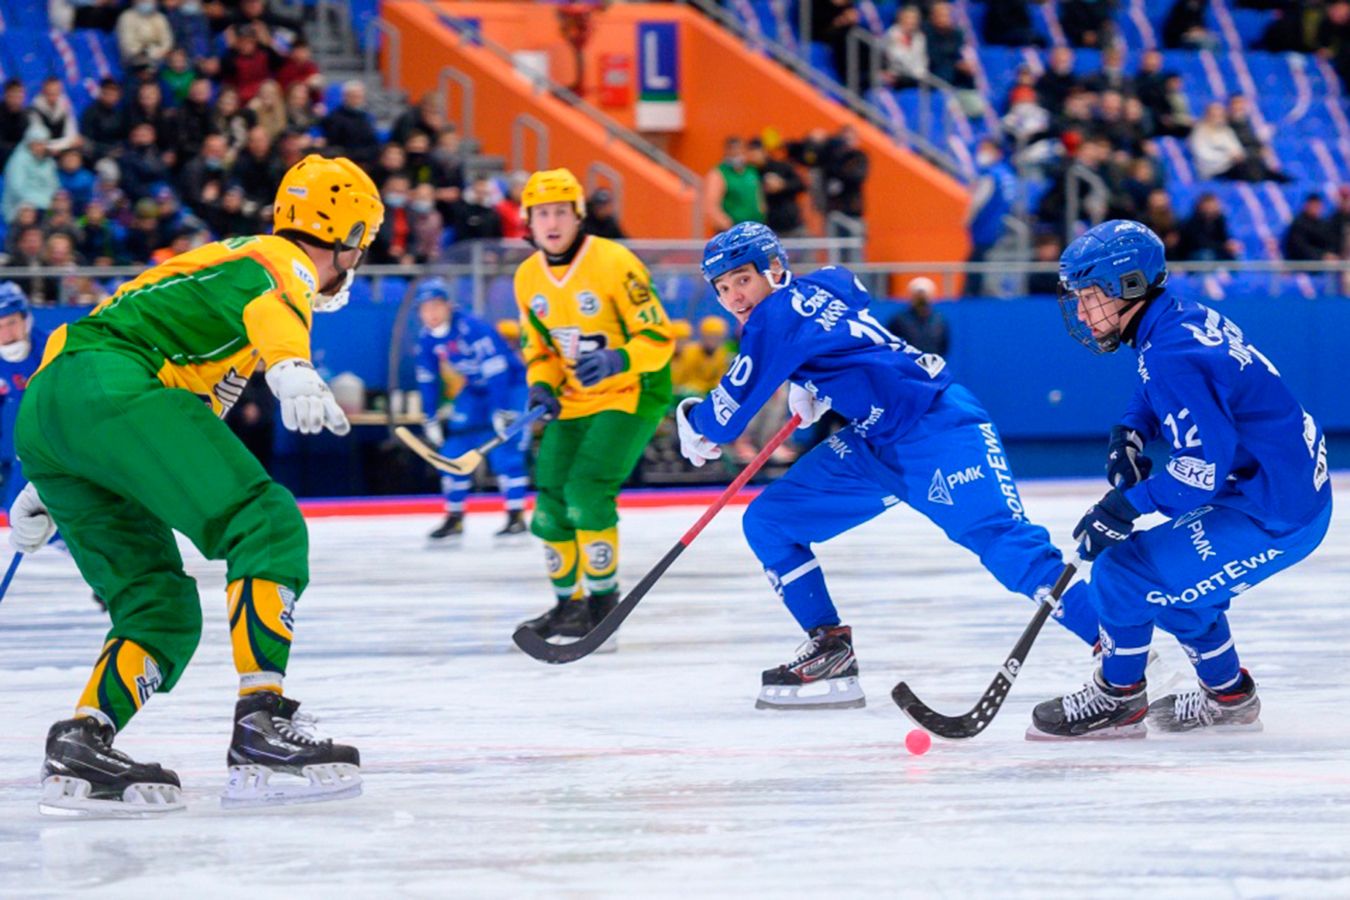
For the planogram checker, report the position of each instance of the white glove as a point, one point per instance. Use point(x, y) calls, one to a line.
point(806, 404)
point(307, 405)
point(433, 432)
point(30, 526)
point(503, 419)
point(693, 446)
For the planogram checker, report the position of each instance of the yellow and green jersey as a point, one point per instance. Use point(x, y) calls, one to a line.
point(206, 319)
point(604, 300)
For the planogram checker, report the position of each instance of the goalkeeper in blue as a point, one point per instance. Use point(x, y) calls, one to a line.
point(460, 351)
point(913, 437)
point(1245, 487)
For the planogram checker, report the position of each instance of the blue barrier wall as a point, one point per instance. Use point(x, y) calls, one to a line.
point(1053, 400)
point(1015, 355)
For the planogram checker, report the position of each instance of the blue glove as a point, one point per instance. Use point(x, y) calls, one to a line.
point(542, 395)
point(1126, 464)
point(596, 366)
point(1109, 522)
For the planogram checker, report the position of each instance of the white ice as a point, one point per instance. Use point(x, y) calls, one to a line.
point(649, 772)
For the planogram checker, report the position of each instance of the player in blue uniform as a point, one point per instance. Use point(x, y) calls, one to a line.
point(20, 353)
point(914, 437)
point(492, 394)
point(1245, 486)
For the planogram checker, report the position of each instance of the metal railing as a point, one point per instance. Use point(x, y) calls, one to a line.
point(394, 40)
point(614, 131)
point(450, 75)
point(1075, 204)
point(831, 88)
point(522, 124)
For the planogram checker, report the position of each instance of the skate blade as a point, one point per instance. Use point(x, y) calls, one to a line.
point(513, 540)
point(454, 540)
point(250, 786)
point(1235, 728)
point(1126, 733)
point(66, 796)
point(829, 693)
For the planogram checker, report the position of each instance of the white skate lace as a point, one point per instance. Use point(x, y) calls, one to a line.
point(299, 728)
point(1089, 701)
point(1193, 705)
point(805, 651)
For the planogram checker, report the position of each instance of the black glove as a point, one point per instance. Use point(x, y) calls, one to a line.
point(1109, 522)
point(542, 395)
point(1126, 464)
point(596, 366)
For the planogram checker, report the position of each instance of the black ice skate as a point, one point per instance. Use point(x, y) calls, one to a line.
point(1234, 709)
point(1098, 711)
point(84, 776)
point(271, 737)
point(823, 676)
point(515, 525)
point(452, 529)
point(568, 618)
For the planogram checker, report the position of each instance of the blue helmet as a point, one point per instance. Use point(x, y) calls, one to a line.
point(748, 242)
point(432, 289)
point(1125, 259)
point(12, 299)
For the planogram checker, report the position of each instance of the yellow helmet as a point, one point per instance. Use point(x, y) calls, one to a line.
point(509, 329)
point(329, 199)
point(682, 329)
point(713, 326)
point(553, 186)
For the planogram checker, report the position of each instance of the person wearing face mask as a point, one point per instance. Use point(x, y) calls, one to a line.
point(143, 34)
point(426, 223)
point(394, 243)
point(122, 438)
point(992, 199)
point(21, 345)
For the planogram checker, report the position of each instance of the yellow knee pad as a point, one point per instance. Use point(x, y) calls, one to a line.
point(261, 627)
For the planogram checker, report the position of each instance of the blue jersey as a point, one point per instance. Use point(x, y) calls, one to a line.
point(474, 349)
point(13, 380)
point(817, 332)
point(1239, 438)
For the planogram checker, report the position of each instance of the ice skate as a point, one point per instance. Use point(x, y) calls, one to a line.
point(1097, 711)
point(824, 675)
point(272, 738)
point(515, 528)
point(1237, 708)
point(601, 606)
point(451, 531)
point(84, 776)
point(568, 618)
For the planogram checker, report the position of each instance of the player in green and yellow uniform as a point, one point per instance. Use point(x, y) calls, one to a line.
point(121, 436)
point(597, 349)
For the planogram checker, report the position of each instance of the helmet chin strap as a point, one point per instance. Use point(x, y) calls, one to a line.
point(335, 294)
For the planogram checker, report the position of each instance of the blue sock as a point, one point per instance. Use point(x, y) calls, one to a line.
point(798, 580)
point(1214, 656)
point(1076, 613)
point(1125, 653)
point(455, 491)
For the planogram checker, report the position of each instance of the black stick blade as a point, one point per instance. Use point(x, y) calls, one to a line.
point(953, 728)
point(542, 650)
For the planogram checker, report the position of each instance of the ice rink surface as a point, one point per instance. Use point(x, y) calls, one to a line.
point(649, 773)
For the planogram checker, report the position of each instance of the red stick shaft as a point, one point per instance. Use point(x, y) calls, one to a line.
point(746, 474)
